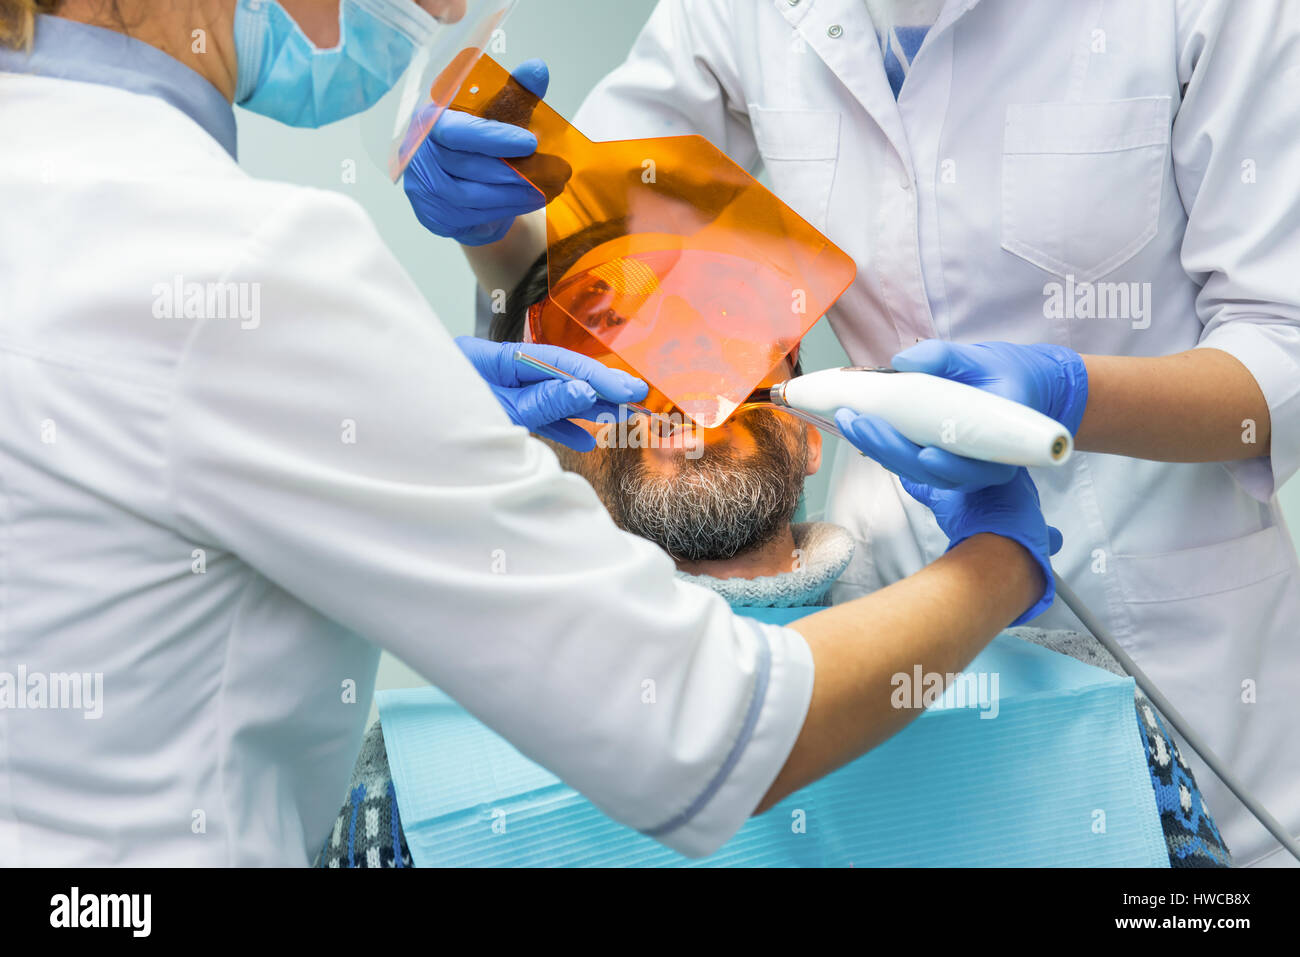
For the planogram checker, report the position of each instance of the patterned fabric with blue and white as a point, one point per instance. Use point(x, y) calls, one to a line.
point(369, 830)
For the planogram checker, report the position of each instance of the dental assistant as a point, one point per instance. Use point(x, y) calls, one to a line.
point(1090, 207)
point(220, 517)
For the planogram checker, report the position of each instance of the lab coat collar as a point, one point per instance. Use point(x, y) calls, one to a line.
point(842, 34)
point(68, 50)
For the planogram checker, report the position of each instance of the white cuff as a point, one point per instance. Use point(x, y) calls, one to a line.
point(1269, 349)
point(778, 709)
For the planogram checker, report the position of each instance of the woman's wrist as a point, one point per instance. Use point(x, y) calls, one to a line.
point(1013, 573)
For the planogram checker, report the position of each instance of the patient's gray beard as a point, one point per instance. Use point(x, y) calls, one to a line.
point(713, 507)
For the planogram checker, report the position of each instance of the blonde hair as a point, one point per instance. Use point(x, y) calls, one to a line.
point(18, 21)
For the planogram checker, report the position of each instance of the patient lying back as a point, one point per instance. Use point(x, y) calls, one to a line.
point(723, 509)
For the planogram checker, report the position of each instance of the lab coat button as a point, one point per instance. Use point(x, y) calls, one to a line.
point(834, 31)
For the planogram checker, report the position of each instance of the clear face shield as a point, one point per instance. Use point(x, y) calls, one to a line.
point(446, 38)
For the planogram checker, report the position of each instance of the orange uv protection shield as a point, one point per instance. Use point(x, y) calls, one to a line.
point(665, 252)
point(548, 323)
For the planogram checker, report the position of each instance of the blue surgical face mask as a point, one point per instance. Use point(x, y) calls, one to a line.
point(283, 75)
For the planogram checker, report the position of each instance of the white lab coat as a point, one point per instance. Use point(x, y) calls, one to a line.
point(219, 515)
point(1152, 142)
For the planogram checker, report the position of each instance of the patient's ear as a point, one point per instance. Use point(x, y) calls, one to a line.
point(814, 450)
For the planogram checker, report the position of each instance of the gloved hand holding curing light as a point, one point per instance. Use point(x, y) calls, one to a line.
point(458, 185)
point(1050, 379)
point(542, 404)
point(1009, 509)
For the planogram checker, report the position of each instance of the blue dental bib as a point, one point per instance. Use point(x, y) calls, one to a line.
point(1030, 759)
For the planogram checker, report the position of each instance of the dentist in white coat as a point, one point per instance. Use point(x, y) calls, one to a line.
point(1113, 187)
point(239, 454)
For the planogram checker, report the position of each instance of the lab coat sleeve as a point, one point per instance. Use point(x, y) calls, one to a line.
point(680, 77)
point(1236, 149)
point(343, 448)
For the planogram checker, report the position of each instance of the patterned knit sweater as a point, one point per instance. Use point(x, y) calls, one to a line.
point(368, 830)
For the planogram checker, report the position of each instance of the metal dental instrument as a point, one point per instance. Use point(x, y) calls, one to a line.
point(762, 399)
point(1170, 713)
point(535, 363)
point(1013, 437)
point(599, 186)
point(633, 260)
point(1027, 438)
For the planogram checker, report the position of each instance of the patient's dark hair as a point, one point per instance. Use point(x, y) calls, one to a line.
point(508, 326)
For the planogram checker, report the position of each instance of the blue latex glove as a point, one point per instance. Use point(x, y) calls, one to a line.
point(1010, 509)
point(542, 404)
point(1051, 379)
point(457, 183)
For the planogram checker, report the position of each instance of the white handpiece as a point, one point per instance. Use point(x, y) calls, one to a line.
point(931, 410)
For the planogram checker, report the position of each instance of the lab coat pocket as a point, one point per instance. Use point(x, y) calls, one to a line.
point(1082, 182)
point(799, 150)
point(1202, 598)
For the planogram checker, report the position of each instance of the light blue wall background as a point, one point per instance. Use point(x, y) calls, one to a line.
point(581, 40)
